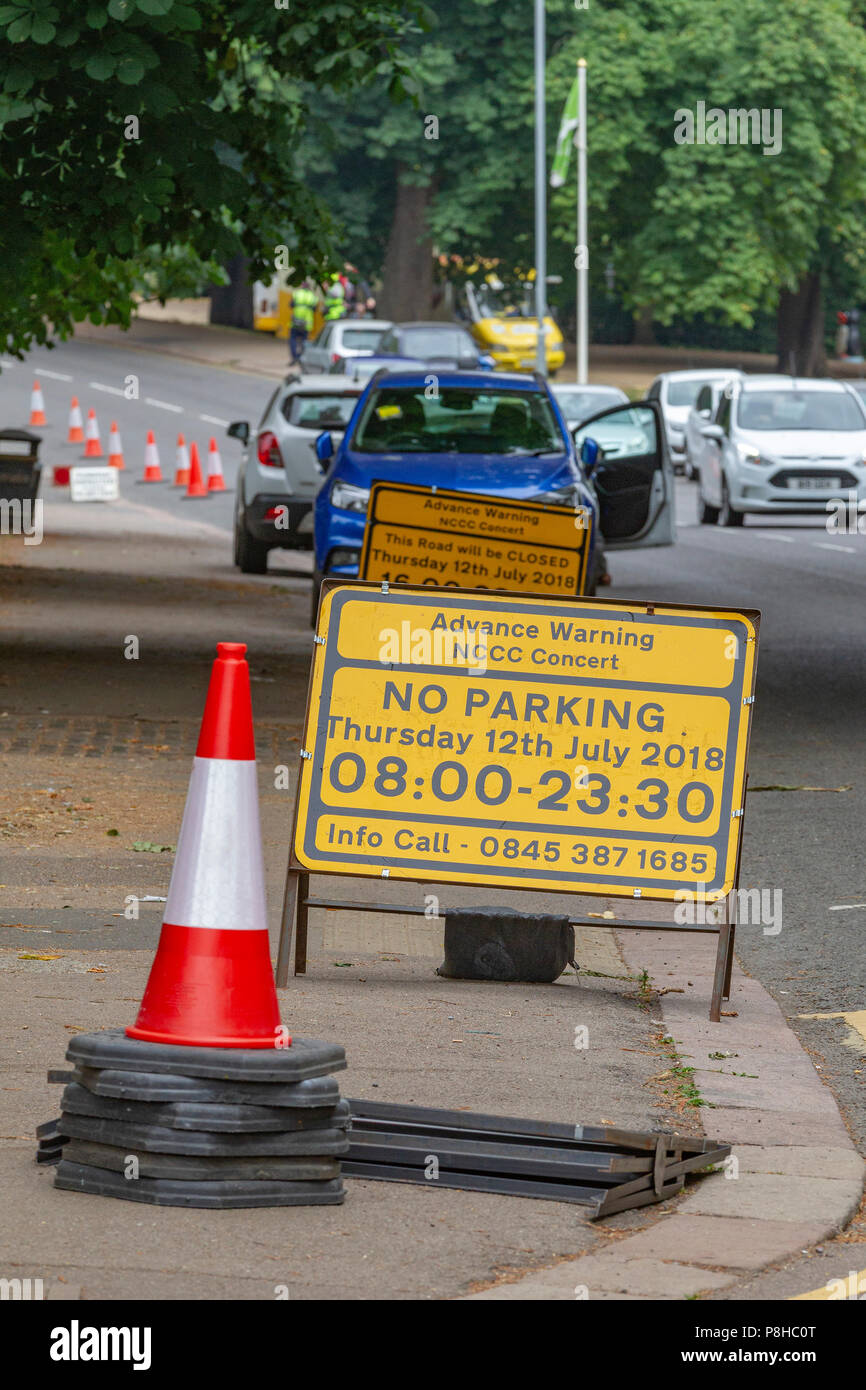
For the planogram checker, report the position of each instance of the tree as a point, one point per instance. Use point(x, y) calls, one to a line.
point(138, 122)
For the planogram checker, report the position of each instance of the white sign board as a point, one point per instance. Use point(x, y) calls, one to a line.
point(98, 484)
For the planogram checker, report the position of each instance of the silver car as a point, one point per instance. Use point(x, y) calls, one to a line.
point(676, 393)
point(702, 412)
point(781, 444)
point(279, 473)
point(577, 403)
point(342, 338)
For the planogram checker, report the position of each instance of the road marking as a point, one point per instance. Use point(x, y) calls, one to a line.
point(774, 536)
point(828, 545)
point(163, 405)
point(855, 1021)
point(854, 1284)
point(5, 362)
point(846, 907)
point(213, 420)
point(111, 390)
point(54, 376)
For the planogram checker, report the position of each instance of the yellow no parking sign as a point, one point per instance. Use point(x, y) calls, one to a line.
point(573, 746)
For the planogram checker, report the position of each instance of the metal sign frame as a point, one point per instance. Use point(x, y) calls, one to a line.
point(297, 902)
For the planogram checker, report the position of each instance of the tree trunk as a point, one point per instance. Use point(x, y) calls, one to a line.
point(232, 304)
point(643, 328)
point(407, 280)
point(800, 329)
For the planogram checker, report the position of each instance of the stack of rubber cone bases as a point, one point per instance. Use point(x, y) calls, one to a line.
point(206, 1100)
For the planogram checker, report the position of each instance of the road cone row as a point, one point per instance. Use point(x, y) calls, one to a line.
point(188, 470)
point(221, 1107)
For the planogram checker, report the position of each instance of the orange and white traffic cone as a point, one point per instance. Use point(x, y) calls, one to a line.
point(211, 982)
point(152, 470)
point(37, 406)
point(115, 448)
point(76, 424)
point(181, 467)
point(215, 480)
point(195, 486)
point(92, 446)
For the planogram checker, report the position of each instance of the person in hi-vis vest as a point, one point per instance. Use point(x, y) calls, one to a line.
point(304, 301)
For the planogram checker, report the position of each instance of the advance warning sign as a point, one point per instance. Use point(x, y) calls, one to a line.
point(461, 540)
point(591, 746)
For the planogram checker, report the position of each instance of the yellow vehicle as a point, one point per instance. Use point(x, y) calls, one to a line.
point(502, 324)
point(272, 307)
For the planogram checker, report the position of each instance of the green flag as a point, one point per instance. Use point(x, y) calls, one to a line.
point(565, 139)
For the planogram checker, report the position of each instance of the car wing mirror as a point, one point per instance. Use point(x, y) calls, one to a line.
point(324, 448)
point(590, 456)
point(714, 432)
point(239, 429)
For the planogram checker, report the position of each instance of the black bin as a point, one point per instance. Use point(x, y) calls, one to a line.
point(20, 469)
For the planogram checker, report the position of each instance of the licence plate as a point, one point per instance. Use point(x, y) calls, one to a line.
point(815, 484)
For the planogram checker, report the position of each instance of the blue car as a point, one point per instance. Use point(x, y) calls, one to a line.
point(493, 433)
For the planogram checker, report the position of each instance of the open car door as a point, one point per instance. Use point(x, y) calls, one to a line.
point(625, 456)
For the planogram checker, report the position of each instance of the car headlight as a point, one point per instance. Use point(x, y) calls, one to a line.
point(348, 497)
point(557, 497)
point(749, 454)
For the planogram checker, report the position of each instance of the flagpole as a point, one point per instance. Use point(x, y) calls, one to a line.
point(582, 320)
point(540, 193)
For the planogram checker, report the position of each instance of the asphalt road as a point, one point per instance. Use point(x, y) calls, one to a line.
point(809, 715)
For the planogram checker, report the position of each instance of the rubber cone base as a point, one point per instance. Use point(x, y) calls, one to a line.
point(220, 1196)
point(307, 1057)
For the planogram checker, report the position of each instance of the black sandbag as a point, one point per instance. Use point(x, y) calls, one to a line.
point(486, 943)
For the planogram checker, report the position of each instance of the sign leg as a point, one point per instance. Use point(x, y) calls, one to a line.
point(301, 928)
point(726, 993)
point(287, 927)
point(720, 972)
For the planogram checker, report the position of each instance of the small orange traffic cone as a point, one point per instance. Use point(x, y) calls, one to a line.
point(92, 447)
point(76, 424)
point(115, 448)
point(37, 406)
point(195, 486)
point(211, 982)
point(215, 480)
point(152, 470)
point(181, 468)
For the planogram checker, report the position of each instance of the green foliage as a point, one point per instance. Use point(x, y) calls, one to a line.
point(219, 89)
point(713, 230)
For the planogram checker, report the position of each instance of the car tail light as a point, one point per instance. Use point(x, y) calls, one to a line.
point(335, 357)
point(268, 450)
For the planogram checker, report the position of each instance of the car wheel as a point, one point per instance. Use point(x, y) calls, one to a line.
point(251, 556)
point(727, 515)
point(314, 605)
point(707, 515)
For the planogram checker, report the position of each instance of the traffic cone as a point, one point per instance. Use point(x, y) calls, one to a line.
point(37, 406)
point(76, 424)
point(211, 982)
point(181, 469)
point(115, 448)
point(92, 447)
point(215, 480)
point(152, 470)
point(195, 486)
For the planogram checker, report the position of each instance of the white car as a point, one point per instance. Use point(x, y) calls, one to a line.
point(279, 474)
point(702, 412)
point(781, 444)
point(676, 393)
point(342, 338)
point(577, 403)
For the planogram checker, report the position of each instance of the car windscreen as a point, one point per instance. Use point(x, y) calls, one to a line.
point(685, 392)
point(361, 339)
point(799, 410)
point(577, 406)
point(323, 412)
point(457, 420)
point(435, 342)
